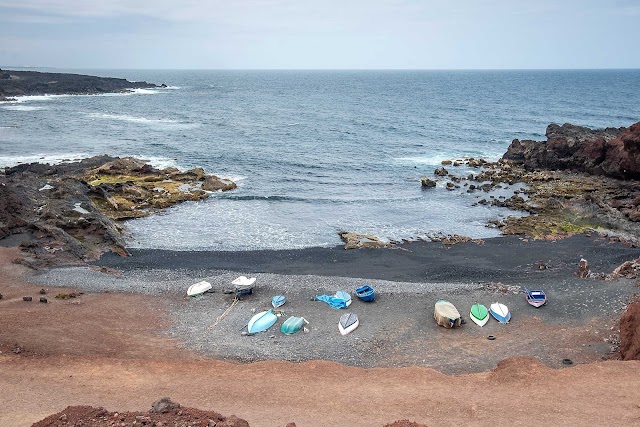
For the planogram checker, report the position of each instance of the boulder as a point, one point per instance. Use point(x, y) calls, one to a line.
point(163, 405)
point(357, 241)
point(427, 183)
point(441, 172)
point(213, 183)
point(630, 332)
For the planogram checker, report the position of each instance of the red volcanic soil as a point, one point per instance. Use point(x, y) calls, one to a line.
point(108, 350)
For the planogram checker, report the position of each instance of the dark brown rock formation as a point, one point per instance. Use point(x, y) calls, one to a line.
point(611, 152)
point(174, 415)
point(630, 332)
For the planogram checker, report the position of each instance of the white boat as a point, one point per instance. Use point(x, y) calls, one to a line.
point(244, 281)
point(198, 288)
point(348, 322)
point(244, 285)
point(500, 312)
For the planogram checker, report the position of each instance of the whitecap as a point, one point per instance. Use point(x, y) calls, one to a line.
point(165, 123)
point(30, 98)
point(22, 108)
point(434, 160)
point(8, 161)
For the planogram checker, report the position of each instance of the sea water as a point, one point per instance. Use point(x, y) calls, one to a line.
point(314, 152)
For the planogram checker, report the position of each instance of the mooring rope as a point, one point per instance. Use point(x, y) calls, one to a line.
point(223, 315)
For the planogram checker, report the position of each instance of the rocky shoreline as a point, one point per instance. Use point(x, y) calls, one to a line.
point(15, 83)
point(72, 212)
point(578, 181)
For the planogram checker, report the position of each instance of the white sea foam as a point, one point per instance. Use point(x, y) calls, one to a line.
point(164, 123)
point(37, 98)
point(22, 108)
point(433, 160)
point(42, 158)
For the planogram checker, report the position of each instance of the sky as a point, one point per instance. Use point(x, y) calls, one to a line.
point(320, 34)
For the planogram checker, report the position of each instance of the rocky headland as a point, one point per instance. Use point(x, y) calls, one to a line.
point(72, 212)
point(20, 83)
point(577, 181)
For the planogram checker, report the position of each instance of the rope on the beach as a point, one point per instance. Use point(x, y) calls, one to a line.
point(226, 312)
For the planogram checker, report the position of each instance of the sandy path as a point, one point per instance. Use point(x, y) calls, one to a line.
point(108, 350)
point(327, 394)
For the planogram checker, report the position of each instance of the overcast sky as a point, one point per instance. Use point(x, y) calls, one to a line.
point(321, 34)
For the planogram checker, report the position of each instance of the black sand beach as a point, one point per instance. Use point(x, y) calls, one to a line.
point(506, 259)
point(397, 330)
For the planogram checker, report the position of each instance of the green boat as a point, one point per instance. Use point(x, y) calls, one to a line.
point(479, 314)
point(293, 324)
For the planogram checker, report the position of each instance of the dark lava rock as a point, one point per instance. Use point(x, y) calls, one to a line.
point(43, 299)
point(427, 183)
point(27, 298)
point(19, 83)
point(441, 172)
point(70, 213)
point(163, 405)
point(613, 152)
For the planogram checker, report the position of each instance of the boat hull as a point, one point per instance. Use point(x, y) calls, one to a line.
point(366, 293)
point(536, 298)
point(500, 312)
point(278, 301)
point(293, 325)
point(479, 314)
point(261, 322)
point(198, 288)
point(348, 322)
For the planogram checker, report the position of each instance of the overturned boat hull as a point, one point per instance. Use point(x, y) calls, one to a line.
point(261, 322)
point(500, 312)
point(348, 322)
point(479, 314)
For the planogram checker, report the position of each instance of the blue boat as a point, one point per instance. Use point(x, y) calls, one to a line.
point(278, 301)
point(261, 321)
point(500, 312)
point(536, 298)
point(366, 293)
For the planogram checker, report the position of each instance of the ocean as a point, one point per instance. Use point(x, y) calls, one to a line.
point(314, 152)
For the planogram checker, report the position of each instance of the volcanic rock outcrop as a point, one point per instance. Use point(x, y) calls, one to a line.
point(613, 152)
point(19, 83)
point(71, 211)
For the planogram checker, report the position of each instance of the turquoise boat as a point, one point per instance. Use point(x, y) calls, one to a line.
point(293, 324)
point(278, 301)
point(261, 322)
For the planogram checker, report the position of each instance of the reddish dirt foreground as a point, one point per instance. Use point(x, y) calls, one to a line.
point(106, 350)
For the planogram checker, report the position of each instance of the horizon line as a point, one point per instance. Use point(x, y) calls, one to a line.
point(8, 67)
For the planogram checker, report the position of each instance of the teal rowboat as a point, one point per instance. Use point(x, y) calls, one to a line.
point(293, 324)
point(479, 314)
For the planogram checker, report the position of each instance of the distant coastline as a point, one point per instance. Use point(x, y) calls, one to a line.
point(14, 83)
